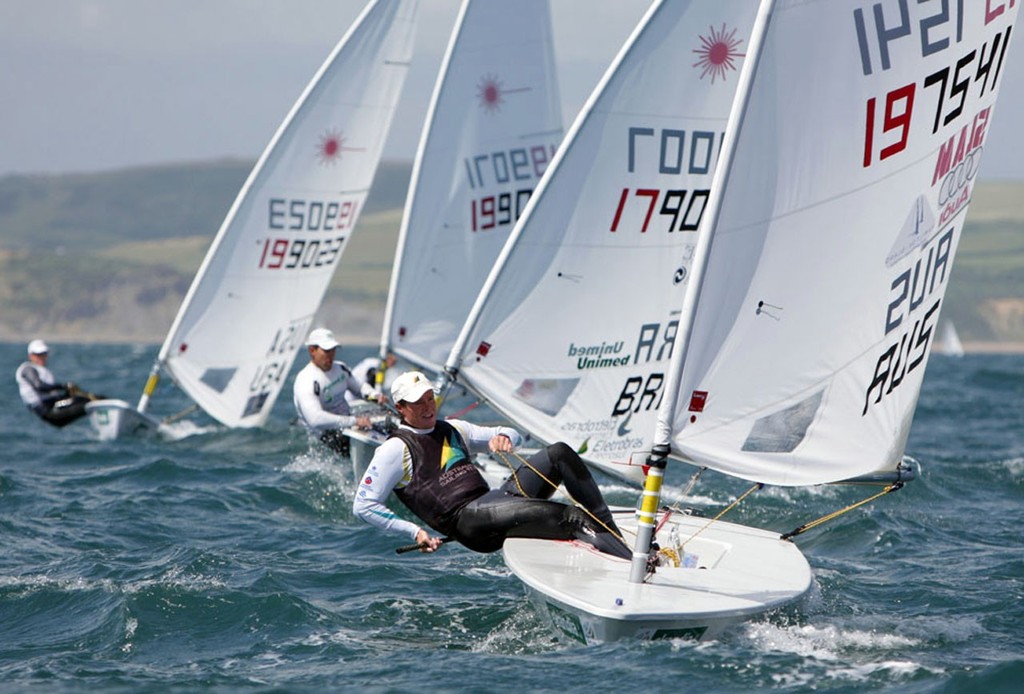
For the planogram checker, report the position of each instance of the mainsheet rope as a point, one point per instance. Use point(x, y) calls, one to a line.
point(505, 459)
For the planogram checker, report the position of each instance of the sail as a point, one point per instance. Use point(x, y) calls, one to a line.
point(572, 334)
point(841, 213)
point(492, 129)
point(950, 343)
point(253, 301)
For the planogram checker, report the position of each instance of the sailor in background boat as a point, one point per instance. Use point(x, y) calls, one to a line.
point(58, 404)
point(427, 464)
point(319, 393)
point(366, 371)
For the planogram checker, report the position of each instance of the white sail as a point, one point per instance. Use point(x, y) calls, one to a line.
point(573, 333)
point(840, 218)
point(950, 343)
point(814, 294)
point(492, 129)
point(253, 301)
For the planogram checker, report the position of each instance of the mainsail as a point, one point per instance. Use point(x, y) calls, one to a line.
point(814, 293)
point(840, 217)
point(950, 343)
point(254, 298)
point(571, 337)
point(492, 129)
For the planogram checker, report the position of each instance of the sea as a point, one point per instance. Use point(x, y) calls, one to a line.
point(230, 560)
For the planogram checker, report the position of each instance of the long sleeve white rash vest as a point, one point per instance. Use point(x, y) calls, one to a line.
point(391, 468)
point(319, 396)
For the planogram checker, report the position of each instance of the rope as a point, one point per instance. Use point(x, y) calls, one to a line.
point(721, 513)
point(505, 459)
point(835, 514)
point(184, 413)
point(693, 482)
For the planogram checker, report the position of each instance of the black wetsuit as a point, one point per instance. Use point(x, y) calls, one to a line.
point(56, 404)
point(457, 502)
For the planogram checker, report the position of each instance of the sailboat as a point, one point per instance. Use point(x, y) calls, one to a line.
point(254, 298)
point(812, 296)
point(572, 334)
point(493, 126)
point(950, 343)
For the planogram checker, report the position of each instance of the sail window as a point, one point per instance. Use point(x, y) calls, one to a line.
point(782, 431)
point(547, 395)
point(218, 379)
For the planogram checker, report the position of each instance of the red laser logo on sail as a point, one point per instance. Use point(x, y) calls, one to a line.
point(717, 53)
point(490, 93)
point(330, 147)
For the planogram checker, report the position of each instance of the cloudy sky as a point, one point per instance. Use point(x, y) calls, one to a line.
point(90, 85)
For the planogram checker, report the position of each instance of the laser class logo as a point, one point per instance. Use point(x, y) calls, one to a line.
point(330, 147)
point(489, 93)
point(717, 53)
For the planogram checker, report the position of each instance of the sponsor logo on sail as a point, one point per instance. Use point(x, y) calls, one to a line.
point(600, 356)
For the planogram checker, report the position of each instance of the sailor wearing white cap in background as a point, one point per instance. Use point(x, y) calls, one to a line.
point(58, 404)
point(319, 392)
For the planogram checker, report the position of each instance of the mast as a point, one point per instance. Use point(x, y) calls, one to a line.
point(651, 496)
point(403, 232)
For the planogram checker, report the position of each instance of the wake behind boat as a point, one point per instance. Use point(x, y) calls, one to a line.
point(253, 300)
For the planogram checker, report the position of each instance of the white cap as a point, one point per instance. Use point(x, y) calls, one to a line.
point(410, 387)
point(322, 338)
point(37, 347)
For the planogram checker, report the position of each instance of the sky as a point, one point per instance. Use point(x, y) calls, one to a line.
point(93, 85)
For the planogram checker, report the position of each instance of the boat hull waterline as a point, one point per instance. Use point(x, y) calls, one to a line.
point(728, 574)
point(111, 419)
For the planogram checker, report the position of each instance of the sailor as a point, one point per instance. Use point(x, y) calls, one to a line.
point(319, 393)
point(427, 464)
point(58, 404)
point(366, 371)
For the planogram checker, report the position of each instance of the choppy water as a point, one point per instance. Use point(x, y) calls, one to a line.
point(230, 560)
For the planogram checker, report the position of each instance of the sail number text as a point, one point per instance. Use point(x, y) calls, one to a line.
point(654, 344)
point(684, 207)
point(502, 169)
point(888, 118)
point(270, 375)
point(671, 152)
point(915, 292)
point(931, 31)
point(300, 217)
point(492, 211)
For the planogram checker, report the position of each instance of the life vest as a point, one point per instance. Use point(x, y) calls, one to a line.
point(444, 478)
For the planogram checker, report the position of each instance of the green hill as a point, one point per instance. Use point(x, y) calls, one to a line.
point(107, 257)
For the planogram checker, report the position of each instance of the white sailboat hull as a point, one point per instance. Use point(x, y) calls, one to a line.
point(112, 419)
point(730, 573)
point(362, 445)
